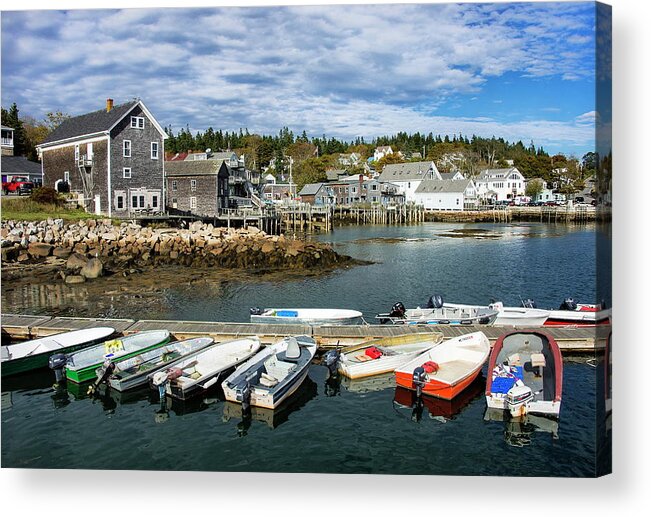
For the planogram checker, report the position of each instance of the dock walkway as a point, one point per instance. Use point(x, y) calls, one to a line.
point(17, 327)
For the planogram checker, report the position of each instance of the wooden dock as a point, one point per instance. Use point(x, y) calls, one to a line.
point(19, 327)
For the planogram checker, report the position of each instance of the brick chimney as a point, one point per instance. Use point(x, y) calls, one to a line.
point(109, 105)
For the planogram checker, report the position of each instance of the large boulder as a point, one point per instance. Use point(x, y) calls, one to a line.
point(39, 249)
point(76, 261)
point(93, 268)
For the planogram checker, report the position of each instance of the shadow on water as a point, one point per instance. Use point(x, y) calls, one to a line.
point(519, 431)
point(437, 409)
point(272, 418)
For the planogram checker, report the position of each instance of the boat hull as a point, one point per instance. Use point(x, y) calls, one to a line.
point(314, 317)
point(457, 363)
point(537, 407)
point(435, 388)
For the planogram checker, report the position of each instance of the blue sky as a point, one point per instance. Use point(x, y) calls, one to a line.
point(522, 71)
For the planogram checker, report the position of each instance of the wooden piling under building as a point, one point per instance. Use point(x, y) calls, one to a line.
point(570, 339)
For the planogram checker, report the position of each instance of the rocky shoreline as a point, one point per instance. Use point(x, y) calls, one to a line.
point(92, 248)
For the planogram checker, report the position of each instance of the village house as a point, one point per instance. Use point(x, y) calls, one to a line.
point(113, 158)
point(408, 176)
point(547, 193)
point(446, 194)
point(318, 194)
point(7, 140)
point(277, 192)
point(456, 175)
point(500, 184)
point(381, 152)
point(349, 159)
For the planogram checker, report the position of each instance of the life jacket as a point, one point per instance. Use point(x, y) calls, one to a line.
point(431, 367)
point(373, 352)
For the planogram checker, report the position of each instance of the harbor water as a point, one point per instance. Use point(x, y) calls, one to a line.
point(329, 425)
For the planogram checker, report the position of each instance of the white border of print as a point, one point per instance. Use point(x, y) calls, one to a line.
point(42, 492)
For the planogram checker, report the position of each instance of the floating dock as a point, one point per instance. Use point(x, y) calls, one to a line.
point(570, 339)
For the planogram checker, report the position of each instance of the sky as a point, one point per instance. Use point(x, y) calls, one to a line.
point(521, 71)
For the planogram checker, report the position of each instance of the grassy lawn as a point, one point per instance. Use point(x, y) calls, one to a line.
point(24, 209)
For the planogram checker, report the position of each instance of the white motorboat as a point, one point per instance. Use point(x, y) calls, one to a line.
point(436, 313)
point(306, 316)
point(271, 375)
point(512, 316)
point(199, 371)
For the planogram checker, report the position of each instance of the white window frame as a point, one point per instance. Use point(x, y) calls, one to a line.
point(66, 177)
point(126, 148)
point(77, 152)
point(154, 151)
point(174, 185)
point(154, 201)
point(138, 122)
point(126, 173)
point(193, 202)
point(117, 202)
point(193, 185)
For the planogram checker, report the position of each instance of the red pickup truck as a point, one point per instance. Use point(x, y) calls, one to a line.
point(19, 185)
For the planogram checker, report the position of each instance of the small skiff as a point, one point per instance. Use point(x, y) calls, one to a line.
point(34, 354)
point(576, 314)
point(195, 373)
point(132, 373)
point(525, 374)
point(380, 355)
point(447, 369)
point(466, 315)
point(306, 316)
point(512, 316)
point(272, 375)
point(82, 365)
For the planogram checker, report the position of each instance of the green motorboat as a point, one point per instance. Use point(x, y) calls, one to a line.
point(82, 365)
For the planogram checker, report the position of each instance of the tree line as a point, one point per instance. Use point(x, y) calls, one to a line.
point(310, 157)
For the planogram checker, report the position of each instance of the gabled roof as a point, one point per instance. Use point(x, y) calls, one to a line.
point(193, 168)
point(489, 174)
point(94, 123)
point(19, 165)
point(448, 175)
point(310, 189)
point(442, 186)
point(407, 171)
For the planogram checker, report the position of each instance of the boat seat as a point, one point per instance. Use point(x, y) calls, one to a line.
point(293, 349)
point(268, 380)
point(277, 368)
point(538, 360)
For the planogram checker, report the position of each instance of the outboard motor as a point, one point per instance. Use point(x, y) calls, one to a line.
point(331, 360)
point(418, 378)
point(568, 305)
point(57, 362)
point(435, 302)
point(103, 373)
point(159, 380)
point(398, 310)
point(256, 311)
point(529, 304)
point(243, 395)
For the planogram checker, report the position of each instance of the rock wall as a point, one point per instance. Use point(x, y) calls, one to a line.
point(128, 245)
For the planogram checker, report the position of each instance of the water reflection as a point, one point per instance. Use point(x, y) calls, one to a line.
point(272, 418)
point(519, 431)
point(437, 409)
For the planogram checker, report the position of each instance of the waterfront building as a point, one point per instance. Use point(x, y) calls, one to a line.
point(446, 194)
point(500, 184)
point(113, 158)
point(197, 187)
point(408, 176)
point(277, 192)
point(318, 194)
point(456, 175)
